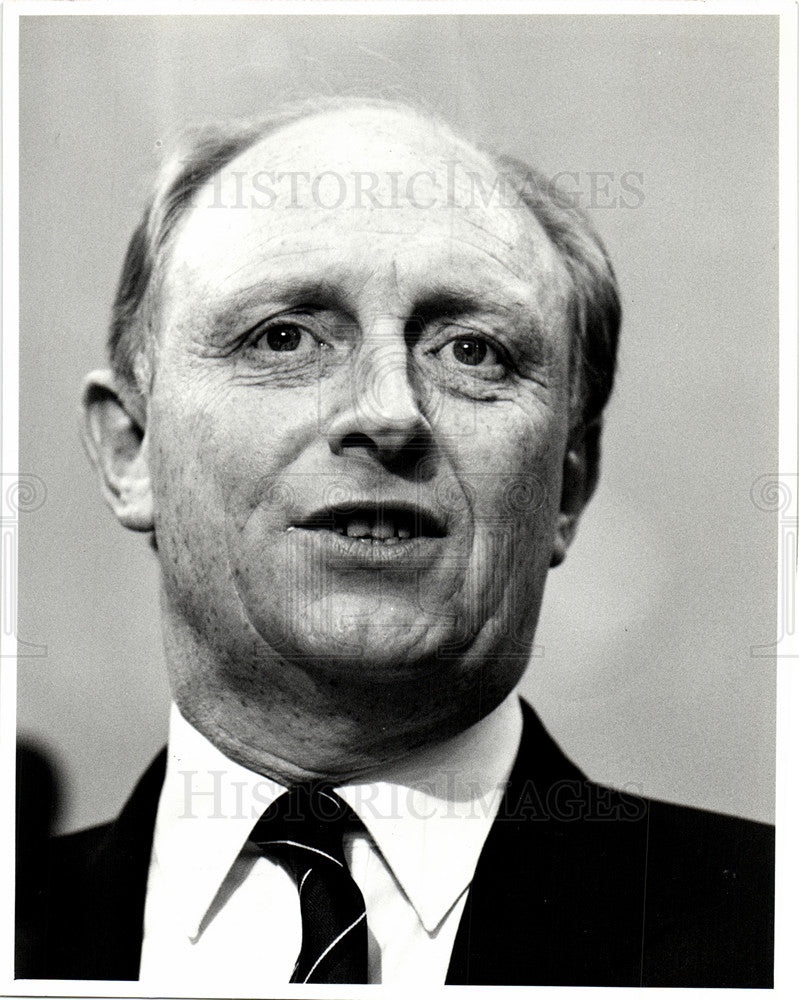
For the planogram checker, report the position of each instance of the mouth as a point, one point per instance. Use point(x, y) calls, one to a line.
point(375, 524)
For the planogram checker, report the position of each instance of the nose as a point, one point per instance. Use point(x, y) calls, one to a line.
point(381, 412)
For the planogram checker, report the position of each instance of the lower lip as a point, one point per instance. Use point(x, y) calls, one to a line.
point(412, 552)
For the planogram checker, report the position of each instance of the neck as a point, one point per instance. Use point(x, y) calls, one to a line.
point(297, 722)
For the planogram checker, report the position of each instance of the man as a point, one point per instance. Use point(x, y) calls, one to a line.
point(359, 368)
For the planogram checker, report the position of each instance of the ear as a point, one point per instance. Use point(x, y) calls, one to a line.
point(116, 443)
point(580, 475)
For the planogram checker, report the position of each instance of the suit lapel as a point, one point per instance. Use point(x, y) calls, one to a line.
point(557, 896)
point(125, 864)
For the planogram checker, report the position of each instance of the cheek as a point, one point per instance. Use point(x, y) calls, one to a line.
point(509, 469)
point(221, 446)
point(511, 466)
point(181, 458)
point(186, 501)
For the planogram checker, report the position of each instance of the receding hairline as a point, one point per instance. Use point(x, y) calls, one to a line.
point(445, 142)
point(430, 151)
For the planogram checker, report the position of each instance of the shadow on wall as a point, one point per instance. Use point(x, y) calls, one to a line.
point(40, 797)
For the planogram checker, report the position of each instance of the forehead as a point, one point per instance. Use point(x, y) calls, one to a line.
point(366, 197)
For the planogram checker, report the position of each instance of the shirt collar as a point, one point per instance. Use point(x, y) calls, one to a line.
point(429, 814)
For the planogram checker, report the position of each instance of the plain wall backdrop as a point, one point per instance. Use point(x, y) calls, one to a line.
point(644, 671)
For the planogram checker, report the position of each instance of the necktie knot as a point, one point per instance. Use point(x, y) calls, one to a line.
point(303, 831)
point(307, 816)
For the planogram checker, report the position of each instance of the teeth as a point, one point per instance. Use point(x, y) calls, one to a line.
point(358, 529)
point(370, 528)
point(382, 532)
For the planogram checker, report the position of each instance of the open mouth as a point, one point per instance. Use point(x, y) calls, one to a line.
point(377, 524)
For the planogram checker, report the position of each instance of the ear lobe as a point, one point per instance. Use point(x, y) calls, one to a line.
point(580, 476)
point(116, 443)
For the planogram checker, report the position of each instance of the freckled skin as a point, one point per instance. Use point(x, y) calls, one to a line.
point(288, 662)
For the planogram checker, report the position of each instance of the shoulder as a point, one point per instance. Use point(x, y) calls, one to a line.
point(53, 889)
point(709, 906)
point(630, 890)
point(81, 901)
point(689, 837)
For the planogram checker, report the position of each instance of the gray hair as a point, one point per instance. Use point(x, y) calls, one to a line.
point(594, 303)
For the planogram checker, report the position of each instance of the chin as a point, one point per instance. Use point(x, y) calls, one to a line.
point(352, 637)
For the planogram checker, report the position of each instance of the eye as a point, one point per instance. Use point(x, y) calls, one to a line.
point(476, 353)
point(469, 350)
point(285, 337)
point(282, 337)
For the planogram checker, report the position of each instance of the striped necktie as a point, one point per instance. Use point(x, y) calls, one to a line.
point(302, 830)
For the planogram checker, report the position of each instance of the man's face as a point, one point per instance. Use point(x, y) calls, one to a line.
point(359, 415)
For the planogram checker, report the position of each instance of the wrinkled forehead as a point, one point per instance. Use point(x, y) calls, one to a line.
point(382, 173)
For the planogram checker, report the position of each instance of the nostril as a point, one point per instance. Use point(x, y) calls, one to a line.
point(358, 440)
point(395, 446)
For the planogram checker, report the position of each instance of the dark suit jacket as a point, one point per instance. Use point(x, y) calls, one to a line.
point(576, 885)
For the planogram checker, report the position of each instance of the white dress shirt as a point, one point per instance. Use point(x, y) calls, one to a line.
point(220, 917)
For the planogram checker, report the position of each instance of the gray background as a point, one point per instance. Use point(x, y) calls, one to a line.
point(644, 671)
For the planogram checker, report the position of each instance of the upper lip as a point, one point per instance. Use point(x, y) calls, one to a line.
point(421, 520)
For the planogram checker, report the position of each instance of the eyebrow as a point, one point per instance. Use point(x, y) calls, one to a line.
point(446, 301)
point(314, 292)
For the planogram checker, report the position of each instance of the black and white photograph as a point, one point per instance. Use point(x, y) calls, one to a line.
point(399, 496)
